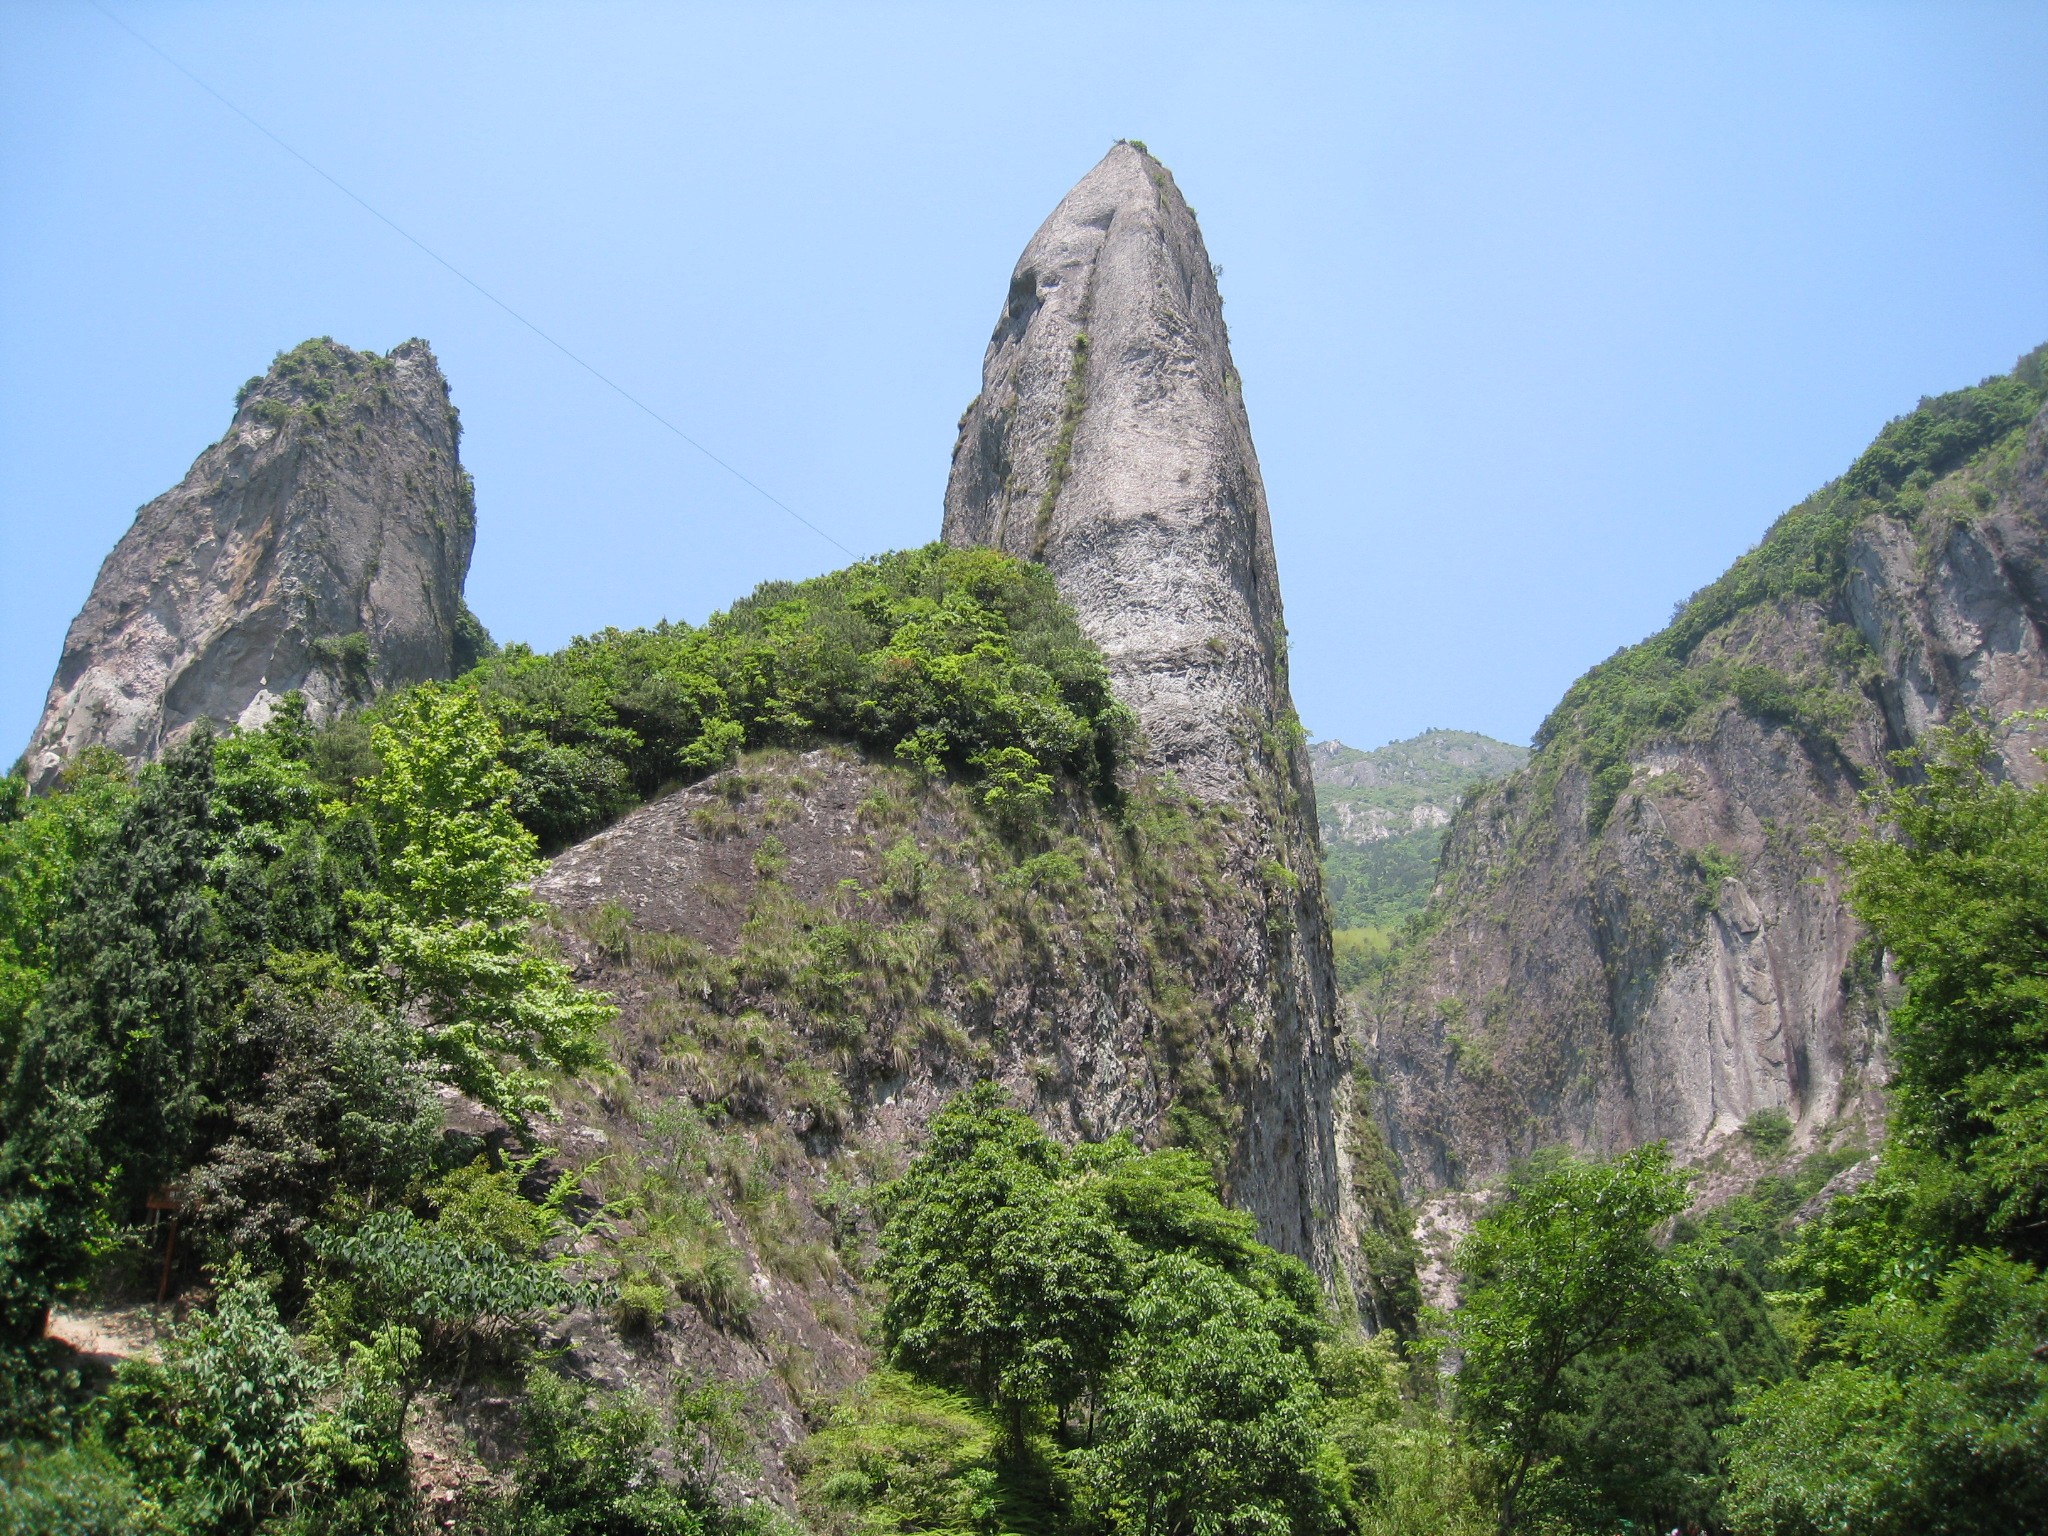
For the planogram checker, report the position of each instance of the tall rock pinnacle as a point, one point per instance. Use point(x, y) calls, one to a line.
point(321, 545)
point(1110, 443)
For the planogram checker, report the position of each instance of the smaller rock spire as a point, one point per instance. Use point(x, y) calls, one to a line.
point(321, 545)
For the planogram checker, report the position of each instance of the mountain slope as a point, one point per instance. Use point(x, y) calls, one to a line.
point(1640, 934)
point(1383, 815)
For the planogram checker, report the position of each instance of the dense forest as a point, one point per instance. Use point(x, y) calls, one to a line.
point(242, 985)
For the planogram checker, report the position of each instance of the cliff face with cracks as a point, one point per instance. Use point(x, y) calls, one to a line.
point(321, 545)
point(1642, 934)
point(1110, 443)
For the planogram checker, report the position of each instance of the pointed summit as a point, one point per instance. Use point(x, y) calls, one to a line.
point(321, 546)
point(1110, 442)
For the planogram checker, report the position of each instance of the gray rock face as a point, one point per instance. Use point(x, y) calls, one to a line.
point(320, 545)
point(1671, 967)
point(1955, 611)
point(1110, 442)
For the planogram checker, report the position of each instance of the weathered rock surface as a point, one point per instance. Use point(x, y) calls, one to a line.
point(321, 545)
point(1659, 946)
point(812, 954)
point(1110, 442)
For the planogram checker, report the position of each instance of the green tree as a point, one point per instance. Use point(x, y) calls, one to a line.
point(452, 912)
point(43, 840)
point(1920, 1417)
point(1641, 1449)
point(314, 1096)
point(1566, 1267)
point(1210, 1422)
point(1960, 900)
point(1002, 1281)
point(1923, 1401)
point(105, 1082)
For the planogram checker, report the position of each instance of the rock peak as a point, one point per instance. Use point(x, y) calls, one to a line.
point(1110, 442)
point(321, 545)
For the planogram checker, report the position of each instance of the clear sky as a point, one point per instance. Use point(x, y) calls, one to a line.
point(1543, 311)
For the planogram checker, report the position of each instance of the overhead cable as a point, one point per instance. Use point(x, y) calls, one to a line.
point(612, 384)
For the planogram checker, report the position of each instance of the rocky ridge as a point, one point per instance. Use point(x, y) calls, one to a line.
point(1110, 443)
point(1641, 934)
point(1382, 815)
point(321, 545)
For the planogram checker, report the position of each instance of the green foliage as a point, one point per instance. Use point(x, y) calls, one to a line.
point(229, 984)
point(1960, 900)
point(216, 1429)
point(1925, 1417)
point(469, 1280)
point(950, 659)
point(78, 1489)
point(105, 1078)
point(42, 842)
point(589, 1468)
point(1103, 1296)
point(316, 1096)
point(1769, 1130)
point(1923, 1402)
point(1003, 1281)
point(1565, 1268)
point(1641, 1447)
point(225, 988)
point(1211, 1421)
point(1397, 1463)
point(451, 909)
point(896, 1456)
point(1383, 883)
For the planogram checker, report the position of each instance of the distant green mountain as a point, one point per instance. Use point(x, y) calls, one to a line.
point(1383, 815)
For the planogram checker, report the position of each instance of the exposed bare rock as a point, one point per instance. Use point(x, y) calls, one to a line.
point(321, 545)
point(1642, 934)
point(1110, 442)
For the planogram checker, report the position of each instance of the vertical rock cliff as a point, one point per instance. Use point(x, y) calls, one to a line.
point(1642, 934)
point(1110, 442)
point(321, 545)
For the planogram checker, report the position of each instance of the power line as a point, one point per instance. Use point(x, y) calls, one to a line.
point(619, 389)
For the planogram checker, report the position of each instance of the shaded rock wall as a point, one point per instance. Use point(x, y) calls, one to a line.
point(320, 545)
point(1110, 442)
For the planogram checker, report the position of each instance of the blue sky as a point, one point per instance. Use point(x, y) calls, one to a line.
point(1543, 311)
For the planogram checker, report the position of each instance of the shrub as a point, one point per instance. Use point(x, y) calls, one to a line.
point(951, 659)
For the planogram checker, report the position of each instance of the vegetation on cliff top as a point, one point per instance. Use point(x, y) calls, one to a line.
point(950, 659)
point(1675, 678)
